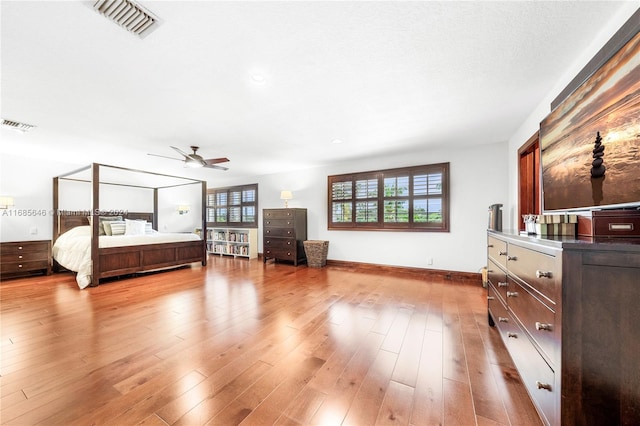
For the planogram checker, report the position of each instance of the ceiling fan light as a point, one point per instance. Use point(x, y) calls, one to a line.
point(194, 164)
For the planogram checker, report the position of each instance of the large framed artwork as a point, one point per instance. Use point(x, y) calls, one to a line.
point(590, 143)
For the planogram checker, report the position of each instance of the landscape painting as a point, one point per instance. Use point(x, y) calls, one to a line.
point(590, 144)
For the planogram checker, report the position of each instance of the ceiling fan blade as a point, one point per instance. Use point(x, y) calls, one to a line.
point(217, 160)
point(178, 150)
point(164, 156)
point(213, 166)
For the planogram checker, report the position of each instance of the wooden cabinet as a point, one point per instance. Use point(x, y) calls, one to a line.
point(24, 258)
point(567, 311)
point(233, 242)
point(284, 231)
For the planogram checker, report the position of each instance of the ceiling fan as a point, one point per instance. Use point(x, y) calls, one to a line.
point(195, 160)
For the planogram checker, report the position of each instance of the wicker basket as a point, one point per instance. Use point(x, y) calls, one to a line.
point(316, 251)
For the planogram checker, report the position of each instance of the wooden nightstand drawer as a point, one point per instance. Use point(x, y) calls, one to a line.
point(25, 247)
point(17, 267)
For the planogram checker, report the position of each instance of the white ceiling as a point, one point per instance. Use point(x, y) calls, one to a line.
point(383, 77)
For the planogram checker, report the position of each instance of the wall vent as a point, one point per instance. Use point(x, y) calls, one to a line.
point(16, 125)
point(128, 15)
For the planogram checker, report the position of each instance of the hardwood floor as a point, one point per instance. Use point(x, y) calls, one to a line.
point(240, 342)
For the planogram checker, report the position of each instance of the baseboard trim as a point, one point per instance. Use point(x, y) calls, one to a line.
point(424, 273)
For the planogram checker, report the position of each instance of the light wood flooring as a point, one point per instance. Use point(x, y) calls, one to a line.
point(242, 342)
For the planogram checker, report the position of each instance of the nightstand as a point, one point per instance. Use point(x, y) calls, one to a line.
point(24, 258)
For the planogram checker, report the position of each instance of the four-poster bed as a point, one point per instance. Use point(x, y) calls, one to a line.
point(112, 254)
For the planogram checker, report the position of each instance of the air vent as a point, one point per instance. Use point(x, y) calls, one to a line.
point(16, 125)
point(128, 15)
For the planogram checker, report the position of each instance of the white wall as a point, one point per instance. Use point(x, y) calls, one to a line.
point(478, 178)
point(532, 124)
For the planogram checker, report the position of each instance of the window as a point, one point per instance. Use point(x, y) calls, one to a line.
point(406, 199)
point(234, 206)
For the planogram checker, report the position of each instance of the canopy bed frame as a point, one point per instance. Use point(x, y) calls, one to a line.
point(115, 261)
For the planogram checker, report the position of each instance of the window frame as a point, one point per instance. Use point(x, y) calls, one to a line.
point(349, 200)
point(213, 196)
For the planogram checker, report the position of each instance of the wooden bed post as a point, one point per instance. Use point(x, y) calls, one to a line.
point(95, 222)
point(54, 212)
point(203, 214)
point(154, 221)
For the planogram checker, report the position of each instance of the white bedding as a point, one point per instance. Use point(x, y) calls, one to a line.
point(72, 249)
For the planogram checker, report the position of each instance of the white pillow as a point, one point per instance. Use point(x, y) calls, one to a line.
point(116, 227)
point(134, 227)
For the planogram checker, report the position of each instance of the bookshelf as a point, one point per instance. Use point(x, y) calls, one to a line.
point(234, 242)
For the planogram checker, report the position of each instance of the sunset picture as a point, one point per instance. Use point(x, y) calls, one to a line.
point(590, 143)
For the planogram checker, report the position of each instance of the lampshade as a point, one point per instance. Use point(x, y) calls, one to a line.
point(6, 202)
point(286, 196)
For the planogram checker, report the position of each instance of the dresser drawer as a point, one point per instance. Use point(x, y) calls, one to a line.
point(278, 223)
point(280, 243)
point(537, 376)
point(539, 270)
point(497, 250)
point(279, 232)
point(536, 318)
point(18, 267)
point(281, 253)
point(278, 214)
point(497, 308)
point(498, 278)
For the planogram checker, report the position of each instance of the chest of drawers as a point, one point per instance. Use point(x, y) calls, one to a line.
point(567, 311)
point(284, 231)
point(25, 257)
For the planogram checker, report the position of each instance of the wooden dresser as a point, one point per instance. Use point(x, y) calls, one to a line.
point(24, 258)
point(284, 231)
point(569, 314)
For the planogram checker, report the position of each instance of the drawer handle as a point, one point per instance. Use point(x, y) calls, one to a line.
point(19, 266)
point(541, 385)
point(512, 294)
point(19, 247)
point(288, 242)
point(512, 258)
point(20, 257)
point(543, 326)
point(502, 284)
point(288, 253)
point(543, 274)
point(267, 231)
point(491, 298)
point(503, 319)
point(502, 253)
point(512, 335)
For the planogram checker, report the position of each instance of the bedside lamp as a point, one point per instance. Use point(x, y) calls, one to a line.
point(286, 196)
point(6, 202)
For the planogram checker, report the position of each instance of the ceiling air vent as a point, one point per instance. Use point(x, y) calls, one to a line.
point(16, 125)
point(129, 15)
